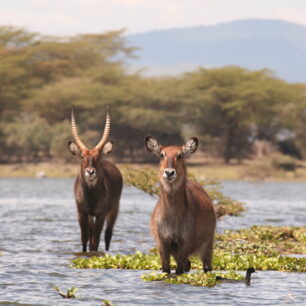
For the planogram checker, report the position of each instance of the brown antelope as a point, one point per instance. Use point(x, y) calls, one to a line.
point(183, 221)
point(97, 188)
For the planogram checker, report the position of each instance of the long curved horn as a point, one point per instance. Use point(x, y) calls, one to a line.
point(106, 131)
point(75, 133)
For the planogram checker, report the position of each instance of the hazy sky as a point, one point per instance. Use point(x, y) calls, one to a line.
point(66, 17)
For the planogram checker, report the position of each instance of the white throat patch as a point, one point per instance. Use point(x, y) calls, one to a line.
point(171, 186)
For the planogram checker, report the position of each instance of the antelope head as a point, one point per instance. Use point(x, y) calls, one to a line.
point(172, 168)
point(90, 158)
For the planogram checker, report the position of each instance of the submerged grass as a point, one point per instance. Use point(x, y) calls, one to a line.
point(261, 247)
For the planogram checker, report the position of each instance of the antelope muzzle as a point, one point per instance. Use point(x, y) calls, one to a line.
point(90, 173)
point(169, 174)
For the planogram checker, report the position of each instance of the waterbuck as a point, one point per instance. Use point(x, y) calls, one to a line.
point(183, 221)
point(97, 188)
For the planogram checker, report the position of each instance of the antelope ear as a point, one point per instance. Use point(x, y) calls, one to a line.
point(108, 147)
point(190, 145)
point(73, 148)
point(153, 145)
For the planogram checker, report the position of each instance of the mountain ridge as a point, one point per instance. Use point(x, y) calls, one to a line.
point(249, 43)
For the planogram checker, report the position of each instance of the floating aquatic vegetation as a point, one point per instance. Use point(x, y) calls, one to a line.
point(145, 179)
point(228, 261)
point(260, 247)
point(221, 261)
point(69, 294)
point(136, 261)
point(268, 240)
point(108, 303)
point(194, 279)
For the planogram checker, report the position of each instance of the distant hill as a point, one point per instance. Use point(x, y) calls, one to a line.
point(252, 44)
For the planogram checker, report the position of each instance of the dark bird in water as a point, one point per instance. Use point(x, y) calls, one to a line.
point(247, 279)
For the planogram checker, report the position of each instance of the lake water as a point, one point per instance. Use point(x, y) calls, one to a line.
point(39, 232)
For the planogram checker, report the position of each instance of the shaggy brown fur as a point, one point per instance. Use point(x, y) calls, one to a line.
point(183, 221)
point(97, 189)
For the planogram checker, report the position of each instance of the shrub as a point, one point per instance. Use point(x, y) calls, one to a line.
point(283, 162)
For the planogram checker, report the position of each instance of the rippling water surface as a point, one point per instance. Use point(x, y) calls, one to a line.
point(39, 232)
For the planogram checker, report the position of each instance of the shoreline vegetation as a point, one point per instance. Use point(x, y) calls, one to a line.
point(208, 169)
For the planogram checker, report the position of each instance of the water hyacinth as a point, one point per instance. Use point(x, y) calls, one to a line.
point(228, 261)
point(194, 279)
point(137, 261)
point(268, 240)
point(108, 303)
point(234, 250)
point(221, 261)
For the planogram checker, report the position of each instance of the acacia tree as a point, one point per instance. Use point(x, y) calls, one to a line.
point(148, 107)
point(38, 75)
point(229, 108)
point(28, 137)
point(237, 106)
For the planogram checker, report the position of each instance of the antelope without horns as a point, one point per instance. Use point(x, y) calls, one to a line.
point(97, 188)
point(183, 221)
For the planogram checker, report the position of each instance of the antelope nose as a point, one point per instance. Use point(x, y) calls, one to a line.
point(90, 171)
point(169, 173)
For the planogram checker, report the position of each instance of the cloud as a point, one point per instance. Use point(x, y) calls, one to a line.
point(68, 17)
point(59, 22)
point(292, 15)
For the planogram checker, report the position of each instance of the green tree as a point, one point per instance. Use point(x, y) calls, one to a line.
point(28, 138)
point(236, 106)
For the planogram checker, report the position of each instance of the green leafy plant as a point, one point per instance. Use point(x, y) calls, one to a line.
point(194, 279)
point(69, 294)
point(261, 247)
point(108, 303)
point(145, 179)
point(284, 162)
point(221, 261)
point(136, 261)
point(268, 240)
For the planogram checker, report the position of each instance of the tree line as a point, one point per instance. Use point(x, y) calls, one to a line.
point(228, 108)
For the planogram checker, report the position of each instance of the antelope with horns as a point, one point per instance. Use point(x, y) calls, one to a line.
point(97, 188)
point(183, 221)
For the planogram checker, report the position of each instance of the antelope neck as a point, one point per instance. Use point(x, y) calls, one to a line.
point(174, 195)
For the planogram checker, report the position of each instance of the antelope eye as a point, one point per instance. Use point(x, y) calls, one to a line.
point(178, 156)
point(162, 155)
